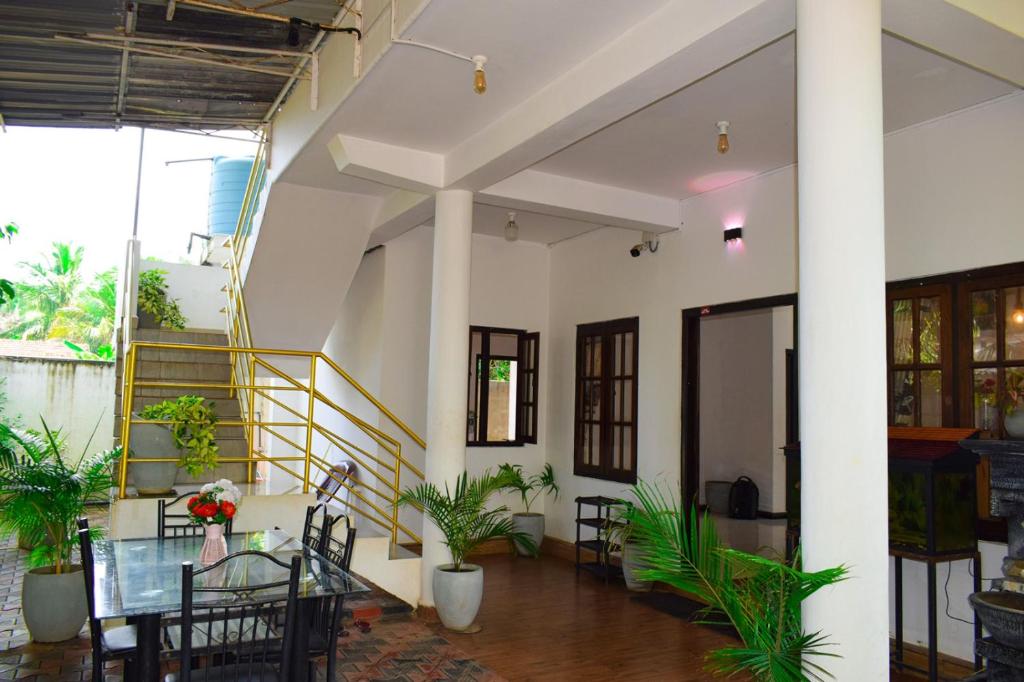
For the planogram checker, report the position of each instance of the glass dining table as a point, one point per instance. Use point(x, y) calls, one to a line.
point(140, 580)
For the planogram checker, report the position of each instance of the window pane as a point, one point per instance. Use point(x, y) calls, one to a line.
point(505, 345)
point(903, 398)
point(930, 326)
point(983, 311)
point(619, 368)
point(1014, 323)
point(1013, 396)
point(617, 447)
point(627, 400)
point(931, 397)
point(628, 341)
point(627, 448)
point(903, 331)
point(501, 409)
point(475, 348)
point(592, 356)
point(985, 408)
point(595, 444)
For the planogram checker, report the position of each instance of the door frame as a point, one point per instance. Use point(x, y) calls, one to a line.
point(690, 446)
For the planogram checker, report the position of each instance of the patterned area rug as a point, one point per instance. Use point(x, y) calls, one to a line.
point(398, 647)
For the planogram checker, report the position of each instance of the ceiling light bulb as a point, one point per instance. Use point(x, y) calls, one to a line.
point(479, 76)
point(723, 137)
point(511, 228)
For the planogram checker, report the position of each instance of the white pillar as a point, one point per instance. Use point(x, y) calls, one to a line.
point(447, 387)
point(844, 517)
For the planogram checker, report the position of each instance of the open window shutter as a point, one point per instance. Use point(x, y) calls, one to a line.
point(529, 360)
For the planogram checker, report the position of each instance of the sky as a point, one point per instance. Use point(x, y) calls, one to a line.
point(78, 185)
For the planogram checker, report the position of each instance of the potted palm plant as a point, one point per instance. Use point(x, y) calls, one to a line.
point(41, 498)
point(529, 489)
point(189, 432)
point(760, 598)
point(466, 524)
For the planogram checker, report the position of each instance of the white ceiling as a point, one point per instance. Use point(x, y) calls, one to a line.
point(668, 148)
point(533, 227)
point(422, 99)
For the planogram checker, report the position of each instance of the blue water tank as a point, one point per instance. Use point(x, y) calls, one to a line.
point(228, 179)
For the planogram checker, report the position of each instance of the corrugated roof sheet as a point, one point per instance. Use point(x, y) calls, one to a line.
point(45, 81)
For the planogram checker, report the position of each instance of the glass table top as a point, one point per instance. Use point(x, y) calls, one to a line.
point(143, 577)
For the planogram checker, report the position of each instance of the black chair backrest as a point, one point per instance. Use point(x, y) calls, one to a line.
point(335, 550)
point(175, 523)
point(243, 631)
point(313, 533)
point(89, 571)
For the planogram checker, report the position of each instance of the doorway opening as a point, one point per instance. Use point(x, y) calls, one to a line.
point(739, 410)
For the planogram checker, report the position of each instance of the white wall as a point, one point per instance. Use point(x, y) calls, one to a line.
point(73, 395)
point(736, 402)
point(198, 291)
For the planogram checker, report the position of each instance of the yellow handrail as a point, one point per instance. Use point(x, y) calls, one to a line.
point(385, 469)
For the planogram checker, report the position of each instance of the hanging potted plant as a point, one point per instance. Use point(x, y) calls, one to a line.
point(41, 499)
point(190, 434)
point(529, 489)
point(465, 524)
point(155, 308)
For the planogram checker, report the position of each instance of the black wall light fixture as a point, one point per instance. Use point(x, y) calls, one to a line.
point(732, 233)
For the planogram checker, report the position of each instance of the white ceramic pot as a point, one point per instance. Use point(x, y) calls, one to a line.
point(153, 440)
point(457, 596)
point(54, 606)
point(533, 525)
point(630, 566)
point(1014, 423)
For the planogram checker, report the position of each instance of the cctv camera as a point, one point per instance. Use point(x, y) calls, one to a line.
point(636, 250)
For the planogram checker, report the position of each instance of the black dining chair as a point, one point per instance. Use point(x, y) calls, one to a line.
point(115, 644)
point(313, 533)
point(336, 550)
point(239, 635)
point(172, 520)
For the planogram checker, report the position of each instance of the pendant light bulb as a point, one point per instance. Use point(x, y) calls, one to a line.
point(511, 228)
point(479, 75)
point(723, 136)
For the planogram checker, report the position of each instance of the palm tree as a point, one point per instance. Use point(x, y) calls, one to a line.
point(89, 318)
point(52, 285)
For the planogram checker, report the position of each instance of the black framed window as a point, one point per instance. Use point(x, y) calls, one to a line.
point(503, 386)
point(606, 398)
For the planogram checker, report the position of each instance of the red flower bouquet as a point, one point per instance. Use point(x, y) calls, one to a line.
point(214, 504)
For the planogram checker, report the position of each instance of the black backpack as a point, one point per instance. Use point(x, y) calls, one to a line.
point(743, 499)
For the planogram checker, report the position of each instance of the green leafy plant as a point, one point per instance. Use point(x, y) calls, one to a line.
point(103, 353)
point(153, 299)
point(50, 286)
point(529, 487)
point(89, 317)
point(760, 598)
point(42, 495)
point(462, 516)
point(194, 427)
point(7, 291)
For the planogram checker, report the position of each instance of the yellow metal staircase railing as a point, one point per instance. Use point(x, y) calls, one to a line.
point(266, 377)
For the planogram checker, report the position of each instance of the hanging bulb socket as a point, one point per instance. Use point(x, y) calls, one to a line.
point(723, 136)
point(479, 75)
point(511, 228)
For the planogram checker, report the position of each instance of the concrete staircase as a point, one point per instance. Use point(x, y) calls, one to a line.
point(191, 367)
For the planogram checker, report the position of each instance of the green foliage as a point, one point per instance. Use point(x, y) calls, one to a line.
point(538, 484)
point(500, 370)
point(42, 496)
point(153, 299)
point(758, 597)
point(462, 518)
point(7, 290)
point(89, 317)
point(194, 426)
point(104, 353)
point(51, 285)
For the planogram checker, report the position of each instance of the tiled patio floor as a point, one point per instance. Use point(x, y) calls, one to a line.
point(398, 647)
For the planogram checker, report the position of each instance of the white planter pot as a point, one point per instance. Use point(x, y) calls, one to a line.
point(630, 566)
point(457, 596)
point(533, 525)
point(153, 440)
point(1014, 423)
point(54, 605)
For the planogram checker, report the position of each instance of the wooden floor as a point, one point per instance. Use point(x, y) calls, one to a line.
point(541, 623)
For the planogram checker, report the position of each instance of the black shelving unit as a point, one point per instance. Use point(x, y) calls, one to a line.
point(600, 521)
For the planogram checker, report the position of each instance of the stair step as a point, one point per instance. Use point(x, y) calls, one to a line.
point(208, 372)
point(183, 355)
point(195, 337)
